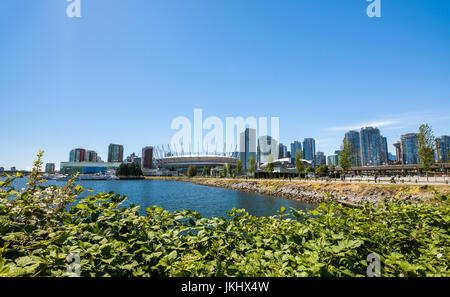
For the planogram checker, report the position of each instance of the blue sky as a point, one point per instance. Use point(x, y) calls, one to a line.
point(123, 71)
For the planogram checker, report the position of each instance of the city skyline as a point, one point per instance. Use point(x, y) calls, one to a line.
point(404, 141)
point(122, 73)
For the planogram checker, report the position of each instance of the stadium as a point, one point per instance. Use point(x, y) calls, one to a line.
point(182, 163)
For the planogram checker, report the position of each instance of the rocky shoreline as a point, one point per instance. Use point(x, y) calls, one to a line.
point(348, 194)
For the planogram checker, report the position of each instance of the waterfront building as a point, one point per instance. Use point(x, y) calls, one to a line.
point(267, 146)
point(247, 147)
point(384, 151)
point(295, 146)
point(147, 157)
point(115, 153)
point(410, 145)
point(88, 167)
point(333, 160)
point(320, 159)
point(370, 140)
point(282, 151)
point(354, 143)
point(309, 149)
point(50, 167)
point(442, 149)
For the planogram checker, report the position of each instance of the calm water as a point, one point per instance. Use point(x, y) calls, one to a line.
point(171, 195)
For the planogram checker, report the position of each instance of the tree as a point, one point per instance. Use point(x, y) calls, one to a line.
point(333, 169)
point(252, 166)
point(223, 173)
point(270, 165)
point(345, 157)
point(299, 162)
point(322, 170)
point(129, 169)
point(205, 171)
point(229, 169)
point(239, 167)
point(309, 169)
point(192, 171)
point(426, 146)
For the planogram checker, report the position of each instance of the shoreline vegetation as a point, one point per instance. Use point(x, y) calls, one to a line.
point(43, 228)
point(347, 194)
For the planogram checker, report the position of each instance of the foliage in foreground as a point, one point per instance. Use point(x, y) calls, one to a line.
point(38, 232)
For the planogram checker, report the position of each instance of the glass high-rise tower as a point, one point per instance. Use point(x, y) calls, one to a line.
point(410, 145)
point(267, 146)
point(295, 146)
point(370, 139)
point(309, 149)
point(115, 153)
point(247, 147)
point(442, 149)
point(354, 143)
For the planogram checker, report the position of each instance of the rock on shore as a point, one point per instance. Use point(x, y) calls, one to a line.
point(349, 194)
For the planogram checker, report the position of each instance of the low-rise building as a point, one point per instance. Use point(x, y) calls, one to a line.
point(87, 167)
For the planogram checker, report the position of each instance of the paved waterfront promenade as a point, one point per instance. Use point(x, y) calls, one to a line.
point(413, 180)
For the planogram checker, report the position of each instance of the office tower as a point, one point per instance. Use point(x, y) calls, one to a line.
point(320, 159)
point(282, 151)
point(50, 167)
point(72, 156)
point(370, 140)
point(147, 157)
point(354, 143)
point(91, 156)
point(384, 151)
point(247, 147)
point(309, 149)
point(398, 152)
point(410, 145)
point(77, 155)
point(333, 160)
point(442, 149)
point(267, 146)
point(338, 154)
point(115, 153)
point(295, 146)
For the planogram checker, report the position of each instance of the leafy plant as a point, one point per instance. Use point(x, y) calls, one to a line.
point(41, 225)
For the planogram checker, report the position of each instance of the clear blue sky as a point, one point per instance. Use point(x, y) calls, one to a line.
point(122, 72)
